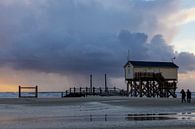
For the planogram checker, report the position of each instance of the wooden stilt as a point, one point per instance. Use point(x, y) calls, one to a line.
point(154, 86)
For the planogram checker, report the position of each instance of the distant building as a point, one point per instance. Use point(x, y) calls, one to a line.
point(146, 78)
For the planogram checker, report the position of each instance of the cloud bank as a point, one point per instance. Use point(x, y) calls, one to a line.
point(83, 37)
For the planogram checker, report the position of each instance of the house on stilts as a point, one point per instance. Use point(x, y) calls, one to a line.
point(151, 79)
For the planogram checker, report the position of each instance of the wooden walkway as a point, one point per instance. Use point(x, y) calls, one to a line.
point(83, 92)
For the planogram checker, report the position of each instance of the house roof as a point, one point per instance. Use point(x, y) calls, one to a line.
point(152, 64)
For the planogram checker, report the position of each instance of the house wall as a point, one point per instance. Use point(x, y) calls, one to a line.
point(129, 72)
point(168, 73)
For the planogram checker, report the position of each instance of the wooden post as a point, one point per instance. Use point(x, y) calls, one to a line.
point(135, 88)
point(106, 87)
point(150, 89)
point(80, 90)
point(128, 88)
point(19, 92)
point(86, 91)
point(140, 88)
point(147, 89)
point(91, 84)
point(74, 90)
point(131, 88)
point(36, 91)
point(153, 87)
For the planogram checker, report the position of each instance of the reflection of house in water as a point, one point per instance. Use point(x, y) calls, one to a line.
point(151, 79)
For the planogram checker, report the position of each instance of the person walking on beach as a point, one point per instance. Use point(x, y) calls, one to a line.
point(183, 96)
point(189, 94)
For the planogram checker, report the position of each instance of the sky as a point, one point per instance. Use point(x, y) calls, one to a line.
point(58, 44)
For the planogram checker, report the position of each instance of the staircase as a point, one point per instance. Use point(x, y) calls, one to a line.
point(166, 89)
point(151, 84)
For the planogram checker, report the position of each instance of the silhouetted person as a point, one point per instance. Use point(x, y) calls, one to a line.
point(183, 96)
point(189, 94)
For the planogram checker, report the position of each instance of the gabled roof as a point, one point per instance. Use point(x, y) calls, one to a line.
point(151, 64)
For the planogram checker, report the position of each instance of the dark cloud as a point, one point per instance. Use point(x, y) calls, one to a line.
point(186, 61)
point(158, 49)
point(82, 37)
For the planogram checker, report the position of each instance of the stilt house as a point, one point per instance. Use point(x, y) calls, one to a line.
point(151, 79)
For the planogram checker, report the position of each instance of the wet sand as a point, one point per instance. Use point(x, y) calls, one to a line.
point(115, 100)
point(90, 112)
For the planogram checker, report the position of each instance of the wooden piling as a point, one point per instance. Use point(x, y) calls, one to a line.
point(100, 90)
point(106, 87)
point(80, 90)
point(91, 83)
point(74, 90)
point(36, 91)
point(19, 91)
point(93, 90)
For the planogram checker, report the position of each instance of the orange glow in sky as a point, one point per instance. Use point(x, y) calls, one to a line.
point(8, 88)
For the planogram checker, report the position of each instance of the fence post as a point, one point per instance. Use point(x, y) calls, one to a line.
point(74, 90)
point(36, 91)
point(80, 90)
point(19, 91)
point(86, 91)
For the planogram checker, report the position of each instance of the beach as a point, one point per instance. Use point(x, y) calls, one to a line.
point(96, 112)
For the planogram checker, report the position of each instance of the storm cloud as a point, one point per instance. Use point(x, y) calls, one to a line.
point(83, 37)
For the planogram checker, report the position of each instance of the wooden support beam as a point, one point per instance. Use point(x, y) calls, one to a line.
point(128, 88)
point(151, 87)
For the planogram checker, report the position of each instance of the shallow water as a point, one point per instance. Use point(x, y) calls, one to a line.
point(106, 117)
point(161, 116)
